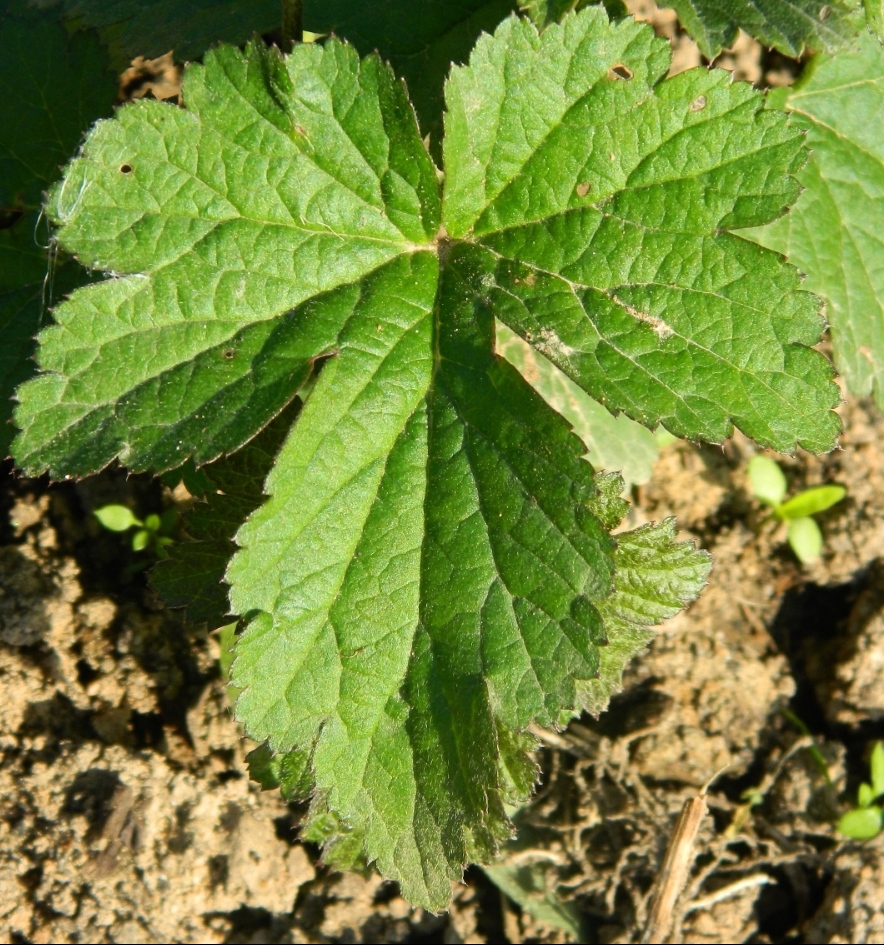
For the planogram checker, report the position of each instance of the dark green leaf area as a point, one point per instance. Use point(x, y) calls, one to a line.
point(544, 12)
point(30, 279)
point(420, 40)
point(192, 576)
point(23, 269)
point(153, 27)
point(212, 223)
point(787, 25)
point(289, 772)
point(52, 87)
point(605, 194)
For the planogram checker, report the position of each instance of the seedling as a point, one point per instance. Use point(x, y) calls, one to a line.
point(769, 486)
point(151, 534)
point(866, 820)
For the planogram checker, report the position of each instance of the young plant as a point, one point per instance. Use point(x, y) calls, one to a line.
point(866, 820)
point(152, 533)
point(804, 535)
point(423, 563)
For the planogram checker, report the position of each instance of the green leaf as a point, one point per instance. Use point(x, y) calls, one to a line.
point(862, 824)
point(432, 570)
point(525, 882)
point(811, 502)
point(264, 767)
point(834, 232)
point(153, 27)
point(864, 795)
point(767, 480)
point(51, 87)
point(598, 206)
point(615, 443)
point(192, 576)
point(787, 25)
point(655, 577)
point(805, 539)
point(116, 518)
point(290, 773)
point(876, 767)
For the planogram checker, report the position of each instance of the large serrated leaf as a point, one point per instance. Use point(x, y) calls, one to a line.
point(51, 88)
point(787, 25)
point(432, 569)
point(835, 232)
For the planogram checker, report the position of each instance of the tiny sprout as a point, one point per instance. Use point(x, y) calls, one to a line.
point(866, 820)
point(769, 486)
point(151, 533)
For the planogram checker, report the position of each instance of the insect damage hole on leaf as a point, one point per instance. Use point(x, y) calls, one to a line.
point(620, 71)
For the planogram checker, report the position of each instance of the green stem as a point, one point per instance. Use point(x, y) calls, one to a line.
point(292, 22)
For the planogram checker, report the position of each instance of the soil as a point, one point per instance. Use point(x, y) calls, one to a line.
point(126, 814)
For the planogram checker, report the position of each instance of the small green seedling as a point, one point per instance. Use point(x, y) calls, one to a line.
point(866, 820)
point(152, 533)
point(769, 486)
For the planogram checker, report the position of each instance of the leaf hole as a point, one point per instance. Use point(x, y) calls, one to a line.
point(228, 354)
point(583, 189)
point(698, 104)
point(620, 71)
point(125, 168)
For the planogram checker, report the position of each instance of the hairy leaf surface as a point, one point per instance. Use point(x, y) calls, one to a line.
point(835, 232)
point(787, 25)
point(433, 569)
